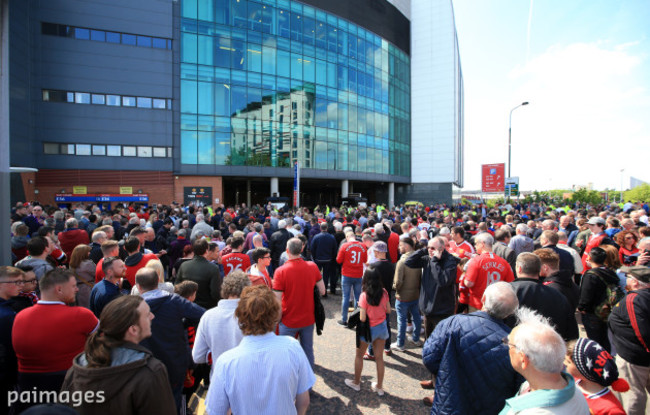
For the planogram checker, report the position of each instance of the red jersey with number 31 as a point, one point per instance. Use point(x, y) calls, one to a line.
point(352, 256)
point(484, 270)
point(235, 260)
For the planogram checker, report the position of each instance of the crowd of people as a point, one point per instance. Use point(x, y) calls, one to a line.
point(127, 310)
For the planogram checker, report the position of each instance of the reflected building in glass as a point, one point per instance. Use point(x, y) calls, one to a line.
point(230, 94)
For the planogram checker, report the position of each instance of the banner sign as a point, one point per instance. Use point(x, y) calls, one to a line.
point(493, 177)
point(512, 186)
point(201, 195)
point(296, 185)
point(100, 197)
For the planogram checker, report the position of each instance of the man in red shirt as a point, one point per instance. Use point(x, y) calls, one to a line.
point(109, 249)
point(136, 259)
point(483, 270)
point(293, 284)
point(598, 237)
point(352, 255)
point(236, 259)
point(458, 245)
point(47, 336)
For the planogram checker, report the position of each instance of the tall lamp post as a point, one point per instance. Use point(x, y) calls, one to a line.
point(510, 140)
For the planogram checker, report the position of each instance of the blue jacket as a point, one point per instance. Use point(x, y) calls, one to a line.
point(324, 247)
point(168, 341)
point(471, 364)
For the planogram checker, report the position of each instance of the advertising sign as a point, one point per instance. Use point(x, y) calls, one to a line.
point(493, 176)
point(296, 185)
point(199, 195)
point(512, 186)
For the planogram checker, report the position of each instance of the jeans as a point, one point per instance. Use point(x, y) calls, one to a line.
point(348, 283)
point(387, 343)
point(596, 330)
point(306, 339)
point(403, 308)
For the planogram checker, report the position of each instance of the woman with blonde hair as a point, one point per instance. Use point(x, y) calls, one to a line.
point(84, 271)
point(156, 265)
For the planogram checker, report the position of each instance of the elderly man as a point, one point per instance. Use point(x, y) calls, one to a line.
point(470, 363)
point(631, 337)
point(200, 228)
point(537, 353)
point(274, 367)
point(72, 236)
point(521, 242)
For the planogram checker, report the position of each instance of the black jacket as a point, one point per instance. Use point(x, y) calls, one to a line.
point(593, 289)
point(564, 285)
point(567, 267)
point(96, 252)
point(437, 292)
point(549, 303)
point(278, 244)
point(625, 339)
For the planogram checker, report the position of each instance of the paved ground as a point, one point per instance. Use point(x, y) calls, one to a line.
point(334, 353)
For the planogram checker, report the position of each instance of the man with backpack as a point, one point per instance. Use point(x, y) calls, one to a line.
point(631, 336)
point(599, 293)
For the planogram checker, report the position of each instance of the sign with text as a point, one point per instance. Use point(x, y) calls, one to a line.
point(512, 186)
point(126, 190)
point(201, 195)
point(79, 190)
point(296, 185)
point(100, 197)
point(493, 176)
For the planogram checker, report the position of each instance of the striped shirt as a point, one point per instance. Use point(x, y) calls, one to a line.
point(263, 375)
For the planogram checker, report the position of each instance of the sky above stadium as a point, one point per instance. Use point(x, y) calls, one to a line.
point(584, 66)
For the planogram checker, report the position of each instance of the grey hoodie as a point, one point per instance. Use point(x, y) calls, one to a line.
point(41, 266)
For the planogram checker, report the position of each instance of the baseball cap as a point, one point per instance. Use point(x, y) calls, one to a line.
point(596, 220)
point(639, 272)
point(380, 246)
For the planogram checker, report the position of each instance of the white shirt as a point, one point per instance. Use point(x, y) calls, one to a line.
point(263, 375)
point(218, 332)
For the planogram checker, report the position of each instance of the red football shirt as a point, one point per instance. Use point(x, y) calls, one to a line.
point(99, 271)
point(484, 270)
point(462, 250)
point(352, 255)
point(235, 260)
point(46, 337)
point(131, 270)
point(296, 279)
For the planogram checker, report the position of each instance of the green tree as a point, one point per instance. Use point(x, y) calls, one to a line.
point(586, 196)
point(638, 194)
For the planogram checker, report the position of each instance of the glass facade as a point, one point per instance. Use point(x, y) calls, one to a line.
point(272, 82)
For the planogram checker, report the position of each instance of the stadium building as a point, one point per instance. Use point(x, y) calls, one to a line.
point(161, 100)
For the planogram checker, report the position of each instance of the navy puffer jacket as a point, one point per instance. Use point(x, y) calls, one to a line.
point(471, 364)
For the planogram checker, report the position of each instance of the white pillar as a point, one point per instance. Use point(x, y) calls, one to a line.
point(275, 186)
point(248, 193)
point(391, 195)
point(344, 188)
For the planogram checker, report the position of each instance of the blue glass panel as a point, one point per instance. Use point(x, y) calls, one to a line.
point(321, 113)
point(331, 74)
point(222, 75)
point(269, 20)
point(188, 96)
point(284, 44)
point(283, 63)
point(189, 9)
point(321, 72)
point(343, 116)
point(188, 48)
point(206, 98)
point(284, 84)
point(238, 99)
point(308, 66)
point(144, 41)
point(308, 30)
point(238, 14)
point(268, 60)
point(221, 99)
point(352, 118)
point(361, 159)
point(332, 114)
point(309, 50)
point(205, 50)
point(80, 33)
point(238, 50)
point(254, 55)
point(320, 159)
point(98, 35)
point(284, 27)
point(255, 37)
point(332, 38)
point(296, 66)
point(159, 43)
point(205, 10)
point(221, 11)
point(222, 147)
point(321, 35)
point(254, 79)
point(188, 147)
point(254, 16)
point(206, 148)
point(112, 37)
point(342, 77)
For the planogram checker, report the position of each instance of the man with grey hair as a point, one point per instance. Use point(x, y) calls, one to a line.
point(521, 242)
point(467, 356)
point(293, 284)
point(99, 237)
point(543, 299)
point(278, 243)
point(72, 236)
point(200, 226)
point(537, 353)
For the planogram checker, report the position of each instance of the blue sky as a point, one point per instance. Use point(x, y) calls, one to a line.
point(584, 66)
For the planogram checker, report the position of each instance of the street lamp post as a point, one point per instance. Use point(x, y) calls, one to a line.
point(510, 141)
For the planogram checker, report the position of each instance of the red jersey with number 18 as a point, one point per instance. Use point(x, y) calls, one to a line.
point(352, 255)
point(235, 260)
point(484, 270)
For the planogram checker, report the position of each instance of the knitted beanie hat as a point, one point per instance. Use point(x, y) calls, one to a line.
point(597, 365)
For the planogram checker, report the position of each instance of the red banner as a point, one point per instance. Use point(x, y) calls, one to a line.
point(493, 177)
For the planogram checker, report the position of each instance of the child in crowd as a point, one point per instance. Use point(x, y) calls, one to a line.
point(594, 370)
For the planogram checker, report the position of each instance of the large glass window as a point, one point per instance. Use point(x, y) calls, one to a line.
point(277, 81)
